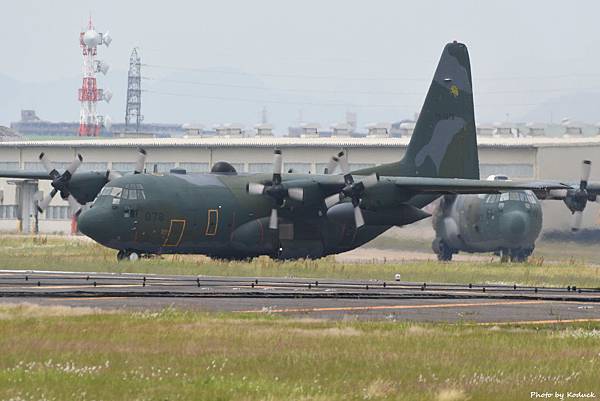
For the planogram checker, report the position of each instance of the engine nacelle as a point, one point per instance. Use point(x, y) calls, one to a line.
point(343, 213)
point(254, 237)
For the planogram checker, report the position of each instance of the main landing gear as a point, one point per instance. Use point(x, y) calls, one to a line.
point(127, 255)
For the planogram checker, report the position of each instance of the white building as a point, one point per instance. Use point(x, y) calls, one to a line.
point(381, 130)
point(519, 158)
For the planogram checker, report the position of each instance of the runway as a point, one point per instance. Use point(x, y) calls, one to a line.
point(303, 297)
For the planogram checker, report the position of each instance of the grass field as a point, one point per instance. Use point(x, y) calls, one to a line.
point(60, 253)
point(61, 353)
point(57, 353)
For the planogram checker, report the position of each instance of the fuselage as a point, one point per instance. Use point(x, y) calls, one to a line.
point(212, 214)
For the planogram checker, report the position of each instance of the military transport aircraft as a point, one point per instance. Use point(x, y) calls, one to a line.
point(226, 214)
point(506, 224)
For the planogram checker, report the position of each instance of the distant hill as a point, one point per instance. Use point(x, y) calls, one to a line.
point(580, 106)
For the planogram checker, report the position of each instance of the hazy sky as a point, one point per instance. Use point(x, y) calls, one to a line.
point(314, 58)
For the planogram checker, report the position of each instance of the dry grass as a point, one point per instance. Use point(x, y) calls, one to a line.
point(25, 309)
point(451, 394)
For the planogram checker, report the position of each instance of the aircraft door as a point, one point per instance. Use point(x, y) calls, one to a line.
point(175, 233)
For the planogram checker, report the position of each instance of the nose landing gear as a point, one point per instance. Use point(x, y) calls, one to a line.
point(127, 255)
point(443, 251)
point(516, 255)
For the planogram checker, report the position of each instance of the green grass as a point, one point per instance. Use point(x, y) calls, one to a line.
point(60, 253)
point(62, 353)
point(173, 355)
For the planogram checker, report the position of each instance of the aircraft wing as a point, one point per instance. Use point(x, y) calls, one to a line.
point(445, 186)
point(31, 175)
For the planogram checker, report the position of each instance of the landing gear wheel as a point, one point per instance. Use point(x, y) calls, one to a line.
point(444, 252)
point(127, 255)
point(520, 255)
point(504, 256)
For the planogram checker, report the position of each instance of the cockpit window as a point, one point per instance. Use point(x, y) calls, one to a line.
point(531, 197)
point(493, 198)
point(130, 191)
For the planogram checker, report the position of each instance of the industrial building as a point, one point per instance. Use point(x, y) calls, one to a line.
point(519, 158)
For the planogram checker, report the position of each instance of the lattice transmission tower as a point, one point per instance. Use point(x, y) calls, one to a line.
point(133, 109)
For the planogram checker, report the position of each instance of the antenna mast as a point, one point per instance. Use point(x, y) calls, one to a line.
point(90, 122)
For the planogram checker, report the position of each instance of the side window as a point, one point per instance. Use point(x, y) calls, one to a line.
point(212, 223)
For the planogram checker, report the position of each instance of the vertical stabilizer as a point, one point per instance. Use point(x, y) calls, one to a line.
point(444, 142)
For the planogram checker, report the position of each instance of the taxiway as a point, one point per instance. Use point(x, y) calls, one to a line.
point(303, 297)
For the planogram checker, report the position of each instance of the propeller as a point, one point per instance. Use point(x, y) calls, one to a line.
point(60, 182)
point(352, 189)
point(276, 190)
point(140, 161)
point(333, 163)
point(577, 200)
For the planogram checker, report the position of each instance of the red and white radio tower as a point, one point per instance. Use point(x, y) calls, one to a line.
point(90, 122)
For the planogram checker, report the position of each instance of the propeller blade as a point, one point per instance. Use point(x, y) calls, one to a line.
point(48, 165)
point(112, 175)
point(358, 217)
point(140, 161)
point(577, 219)
point(332, 200)
point(344, 163)
point(255, 188)
point(277, 162)
point(273, 221)
point(586, 167)
point(75, 205)
point(370, 180)
point(296, 194)
point(43, 204)
point(75, 164)
point(332, 165)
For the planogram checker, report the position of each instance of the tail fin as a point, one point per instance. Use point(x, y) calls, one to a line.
point(444, 142)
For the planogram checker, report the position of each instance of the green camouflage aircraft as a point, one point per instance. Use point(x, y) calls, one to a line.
point(225, 214)
point(506, 224)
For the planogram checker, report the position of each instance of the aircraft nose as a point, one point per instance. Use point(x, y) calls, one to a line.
point(95, 224)
point(515, 226)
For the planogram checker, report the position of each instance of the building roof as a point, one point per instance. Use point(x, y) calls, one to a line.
point(270, 142)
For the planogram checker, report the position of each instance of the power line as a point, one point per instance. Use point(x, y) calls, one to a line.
point(370, 92)
point(281, 75)
point(305, 103)
point(293, 90)
point(389, 78)
point(263, 101)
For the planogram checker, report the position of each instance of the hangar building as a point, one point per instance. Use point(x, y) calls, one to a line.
point(519, 158)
